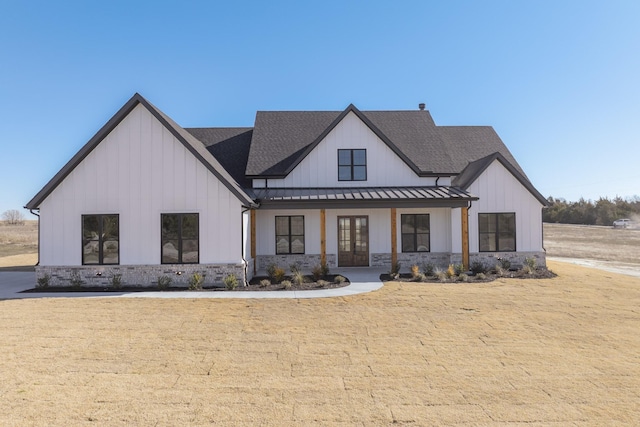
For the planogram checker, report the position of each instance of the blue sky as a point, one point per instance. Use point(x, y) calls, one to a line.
point(558, 80)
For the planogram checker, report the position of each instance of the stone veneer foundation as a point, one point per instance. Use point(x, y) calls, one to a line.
point(304, 262)
point(141, 275)
point(443, 259)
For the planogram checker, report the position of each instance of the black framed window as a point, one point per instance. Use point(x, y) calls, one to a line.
point(415, 231)
point(290, 234)
point(100, 239)
point(352, 165)
point(497, 232)
point(180, 238)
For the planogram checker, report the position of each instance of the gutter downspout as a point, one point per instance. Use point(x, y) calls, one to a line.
point(242, 248)
point(33, 213)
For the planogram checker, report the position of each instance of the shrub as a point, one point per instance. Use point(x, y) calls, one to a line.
point(294, 268)
point(451, 271)
point(481, 276)
point(394, 273)
point(415, 271)
point(325, 269)
point(504, 263)
point(441, 275)
point(279, 274)
point(322, 283)
point(531, 263)
point(116, 281)
point(164, 282)
point(463, 277)
point(429, 269)
point(526, 269)
point(500, 272)
point(339, 279)
point(230, 282)
point(265, 283)
point(195, 282)
point(420, 277)
point(459, 269)
point(320, 271)
point(43, 282)
point(286, 284)
point(271, 270)
point(298, 278)
point(478, 267)
point(75, 279)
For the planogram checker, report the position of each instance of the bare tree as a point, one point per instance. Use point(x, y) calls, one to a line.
point(13, 217)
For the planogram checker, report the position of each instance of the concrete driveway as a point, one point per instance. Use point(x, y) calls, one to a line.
point(555, 352)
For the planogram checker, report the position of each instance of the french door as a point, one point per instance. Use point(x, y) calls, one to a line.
point(353, 241)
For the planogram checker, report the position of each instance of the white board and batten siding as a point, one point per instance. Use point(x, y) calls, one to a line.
point(320, 167)
point(140, 171)
point(500, 192)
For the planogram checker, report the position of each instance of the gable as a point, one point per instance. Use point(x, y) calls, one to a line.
point(499, 176)
point(319, 167)
point(139, 170)
point(195, 147)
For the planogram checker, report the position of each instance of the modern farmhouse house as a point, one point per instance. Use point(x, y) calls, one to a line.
point(146, 197)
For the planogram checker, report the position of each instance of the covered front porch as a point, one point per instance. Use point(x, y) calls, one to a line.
point(360, 227)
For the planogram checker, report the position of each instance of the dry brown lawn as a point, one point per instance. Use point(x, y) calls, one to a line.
point(592, 242)
point(18, 239)
point(561, 352)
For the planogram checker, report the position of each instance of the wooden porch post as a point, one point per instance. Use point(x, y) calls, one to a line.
point(394, 238)
point(323, 237)
point(253, 239)
point(465, 236)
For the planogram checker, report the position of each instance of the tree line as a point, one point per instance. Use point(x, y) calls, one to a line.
point(602, 212)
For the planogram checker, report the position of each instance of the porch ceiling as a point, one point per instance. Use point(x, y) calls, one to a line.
point(361, 197)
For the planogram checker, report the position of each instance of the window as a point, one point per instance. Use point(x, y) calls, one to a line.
point(415, 232)
point(180, 239)
point(352, 165)
point(497, 232)
point(100, 239)
point(290, 234)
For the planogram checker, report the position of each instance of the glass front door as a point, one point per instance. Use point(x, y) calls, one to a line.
point(353, 241)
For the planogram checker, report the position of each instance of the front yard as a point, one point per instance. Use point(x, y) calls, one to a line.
point(562, 351)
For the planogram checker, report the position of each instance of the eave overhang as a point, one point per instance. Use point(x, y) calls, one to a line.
point(361, 197)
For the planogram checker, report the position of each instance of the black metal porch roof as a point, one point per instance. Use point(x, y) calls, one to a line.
point(361, 197)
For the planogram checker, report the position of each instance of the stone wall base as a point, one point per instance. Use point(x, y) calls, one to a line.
point(139, 275)
point(442, 260)
point(517, 259)
point(304, 262)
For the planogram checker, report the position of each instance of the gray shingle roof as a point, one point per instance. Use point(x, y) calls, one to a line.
point(230, 146)
point(281, 139)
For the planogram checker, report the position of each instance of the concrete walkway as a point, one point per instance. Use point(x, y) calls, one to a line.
point(362, 280)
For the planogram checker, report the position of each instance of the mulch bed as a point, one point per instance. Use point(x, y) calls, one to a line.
point(309, 284)
point(254, 285)
point(538, 273)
